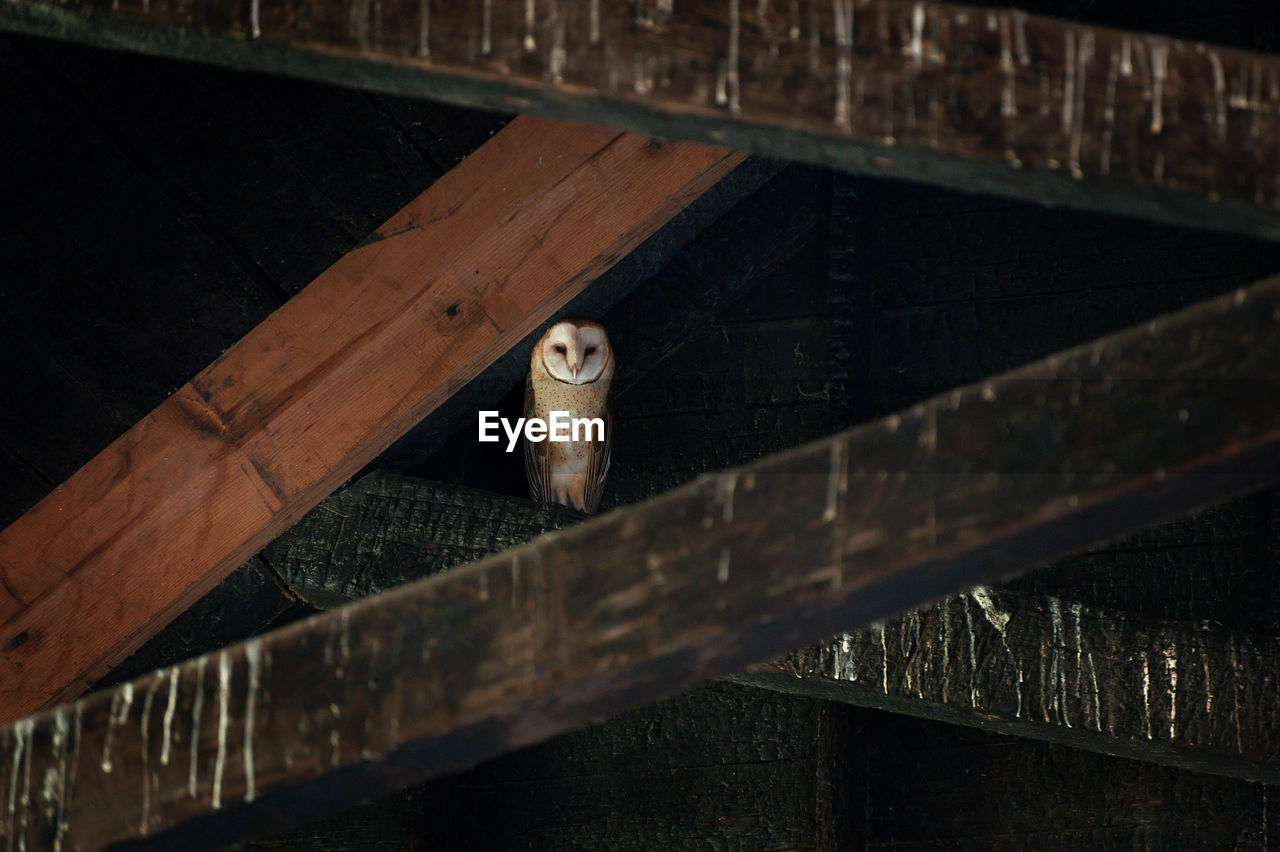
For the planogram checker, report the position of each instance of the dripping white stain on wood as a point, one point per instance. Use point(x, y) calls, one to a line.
point(66, 745)
point(1235, 692)
point(1084, 57)
point(944, 628)
point(1077, 610)
point(1109, 114)
point(559, 57)
point(1058, 675)
point(843, 667)
point(170, 708)
point(915, 46)
point(1171, 670)
point(253, 662)
point(878, 629)
point(121, 700)
point(1219, 94)
point(1020, 37)
point(982, 597)
point(843, 10)
point(220, 760)
point(1008, 93)
point(19, 749)
point(835, 473)
point(486, 28)
point(424, 29)
point(1146, 695)
point(999, 620)
point(20, 805)
point(973, 652)
point(735, 36)
point(1159, 70)
point(726, 486)
point(1097, 701)
point(144, 735)
point(1208, 686)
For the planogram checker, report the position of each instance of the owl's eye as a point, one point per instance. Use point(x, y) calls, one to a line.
point(561, 349)
point(591, 350)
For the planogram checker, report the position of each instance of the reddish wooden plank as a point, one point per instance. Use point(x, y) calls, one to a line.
point(324, 384)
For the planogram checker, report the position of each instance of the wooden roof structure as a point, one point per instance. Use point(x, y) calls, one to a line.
point(809, 533)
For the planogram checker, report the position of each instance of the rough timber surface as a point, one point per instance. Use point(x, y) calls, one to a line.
point(1085, 668)
point(390, 530)
point(321, 708)
point(992, 100)
point(1193, 696)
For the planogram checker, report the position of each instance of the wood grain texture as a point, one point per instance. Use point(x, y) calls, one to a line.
point(329, 380)
point(991, 100)
point(1193, 696)
point(385, 530)
point(646, 601)
point(1086, 667)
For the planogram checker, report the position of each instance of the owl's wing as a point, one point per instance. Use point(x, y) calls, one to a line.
point(537, 464)
point(598, 464)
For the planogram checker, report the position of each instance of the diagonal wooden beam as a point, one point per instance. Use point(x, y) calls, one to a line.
point(1196, 696)
point(978, 99)
point(730, 569)
point(325, 383)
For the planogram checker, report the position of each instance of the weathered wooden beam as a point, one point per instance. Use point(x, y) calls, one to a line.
point(278, 421)
point(1015, 662)
point(641, 602)
point(385, 530)
point(989, 100)
point(1198, 697)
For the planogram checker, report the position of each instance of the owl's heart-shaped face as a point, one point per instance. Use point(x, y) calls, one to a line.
point(575, 353)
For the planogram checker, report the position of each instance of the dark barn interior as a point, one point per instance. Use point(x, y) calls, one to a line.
point(157, 210)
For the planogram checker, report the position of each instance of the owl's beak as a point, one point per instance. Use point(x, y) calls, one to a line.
point(574, 364)
point(573, 370)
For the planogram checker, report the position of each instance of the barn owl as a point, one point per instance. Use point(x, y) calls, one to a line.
point(570, 370)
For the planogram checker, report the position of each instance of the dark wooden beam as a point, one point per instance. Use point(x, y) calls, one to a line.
point(385, 530)
point(327, 382)
point(1198, 697)
point(1014, 662)
point(980, 99)
point(730, 569)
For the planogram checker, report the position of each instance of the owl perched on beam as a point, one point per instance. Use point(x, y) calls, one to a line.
point(570, 370)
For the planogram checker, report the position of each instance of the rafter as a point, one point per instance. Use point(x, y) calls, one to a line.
point(979, 99)
point(1199, 697)
point(644, 601)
